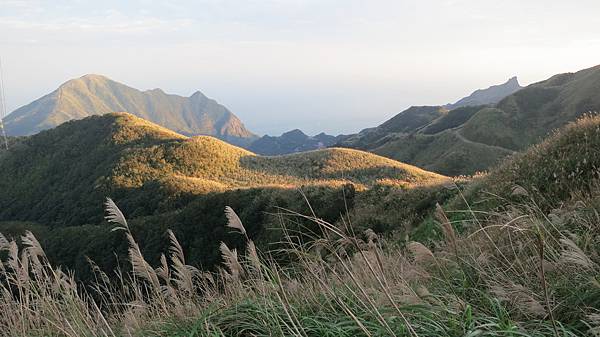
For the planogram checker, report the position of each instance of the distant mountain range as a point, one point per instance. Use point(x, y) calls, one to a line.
point(99, 95)
point(469, 138)
point(291, 142)
point(296, 141)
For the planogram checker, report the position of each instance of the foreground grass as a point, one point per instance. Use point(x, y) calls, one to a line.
point(514, 273)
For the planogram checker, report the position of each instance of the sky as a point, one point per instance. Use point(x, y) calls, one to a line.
point(319, 65)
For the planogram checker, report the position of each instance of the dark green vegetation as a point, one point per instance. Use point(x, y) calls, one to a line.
point(59, 178)
point(514, 252)
point(291, 142)
point(520, 258)
point(468, 139)
point(98, 95)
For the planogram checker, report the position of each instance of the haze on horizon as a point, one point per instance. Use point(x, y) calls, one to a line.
point(319, 65)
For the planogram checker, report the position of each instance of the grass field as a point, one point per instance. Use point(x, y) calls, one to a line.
point(524, 262)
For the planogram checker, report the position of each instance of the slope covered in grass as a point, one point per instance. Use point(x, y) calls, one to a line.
point(60, 177)
point(514, 272)
point(441, 141)
point(565, 164)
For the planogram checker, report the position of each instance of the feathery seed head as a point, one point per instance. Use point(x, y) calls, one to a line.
point(233, 221)
point(114, 213)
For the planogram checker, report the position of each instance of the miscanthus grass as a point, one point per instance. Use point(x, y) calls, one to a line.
point(519, 273)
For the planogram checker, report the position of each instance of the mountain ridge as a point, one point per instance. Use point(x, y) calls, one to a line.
point(468, 139)
point(94, 94)
point(490, 95)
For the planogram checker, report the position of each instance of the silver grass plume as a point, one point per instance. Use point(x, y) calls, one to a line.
point(253, 255)
point(32, 245)
point(230, 259)
point(34, 250)
point(13, 256)
point(141, 268)
point(233, 220)
point(4, 243)
point(175, 248)
point(183, 274)
point(114, 214)
point(163, 270)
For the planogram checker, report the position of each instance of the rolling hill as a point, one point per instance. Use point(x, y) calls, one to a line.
point(55, 182)
point(474, 138)
point(99, 95)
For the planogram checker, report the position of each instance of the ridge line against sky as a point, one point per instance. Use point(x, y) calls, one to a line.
point(318, 65)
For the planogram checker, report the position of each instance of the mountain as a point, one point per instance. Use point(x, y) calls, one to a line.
point(291, 142)
point(491, 95)
point(54, 183)
point(98, 95)
point(468, 139)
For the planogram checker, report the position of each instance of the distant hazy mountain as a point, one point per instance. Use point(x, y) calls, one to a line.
point(491, 95)
point(98, 95)
point(467, 139)
point(291, 142)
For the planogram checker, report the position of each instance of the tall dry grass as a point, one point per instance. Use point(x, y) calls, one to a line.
point(522, 273)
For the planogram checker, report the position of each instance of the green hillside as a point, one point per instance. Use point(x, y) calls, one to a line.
point(60, 178)
point(520, 258)
point(563, 166)
point(98, 95)
point(470, 139)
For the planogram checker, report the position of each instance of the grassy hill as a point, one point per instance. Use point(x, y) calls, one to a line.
point(98, 95)
point(563, 166)
point(469, 139)
point(161, 179)
point(522, 259)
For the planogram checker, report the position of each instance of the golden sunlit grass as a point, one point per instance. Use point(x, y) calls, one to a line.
point(205, 163)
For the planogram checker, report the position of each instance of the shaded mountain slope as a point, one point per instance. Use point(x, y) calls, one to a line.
point(98, 95)
point(474, 138)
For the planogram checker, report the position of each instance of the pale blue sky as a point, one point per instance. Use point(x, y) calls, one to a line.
point(319, 65)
